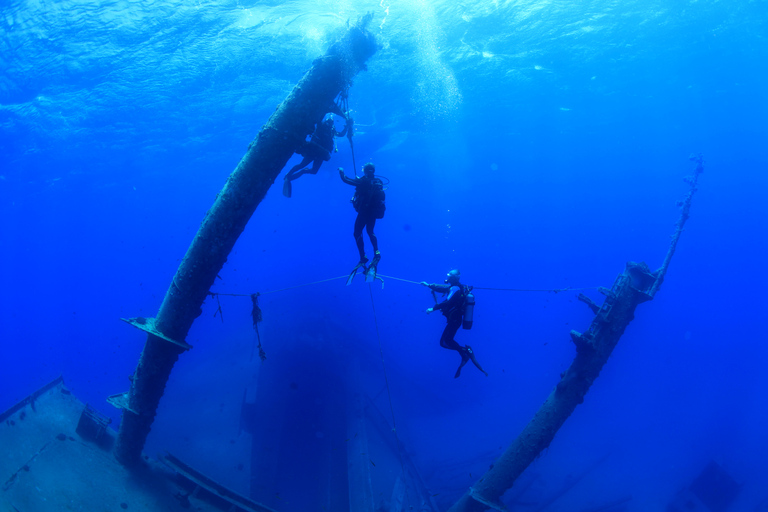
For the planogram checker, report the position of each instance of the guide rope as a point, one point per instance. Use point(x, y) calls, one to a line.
point(257, 317)
point(389, 393)
point(214, 294)
point(552, 290)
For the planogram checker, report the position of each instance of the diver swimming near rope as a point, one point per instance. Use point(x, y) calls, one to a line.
point(458, 309)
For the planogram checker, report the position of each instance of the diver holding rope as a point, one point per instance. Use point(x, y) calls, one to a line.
point(458, 309)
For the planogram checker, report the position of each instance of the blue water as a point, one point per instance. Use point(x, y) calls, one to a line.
point(532, 144)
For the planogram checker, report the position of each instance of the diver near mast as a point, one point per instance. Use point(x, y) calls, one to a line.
point(369, 204)
point(458, 309)
point(318, 149)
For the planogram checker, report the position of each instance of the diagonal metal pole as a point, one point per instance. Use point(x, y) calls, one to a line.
point(282, 135)
point(593, 348)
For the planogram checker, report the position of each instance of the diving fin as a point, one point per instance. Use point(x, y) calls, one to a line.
point(287, 188)
point(464, 360)
point(471, 355)
point(360, 264)
point(370, 272)
point(351, 276)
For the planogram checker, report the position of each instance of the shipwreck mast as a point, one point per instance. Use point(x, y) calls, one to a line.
point(634, 286)
point(282, 135)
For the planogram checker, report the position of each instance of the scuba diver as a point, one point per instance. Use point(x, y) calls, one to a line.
point(457, 307)
point(368, 202)
point(317, 150)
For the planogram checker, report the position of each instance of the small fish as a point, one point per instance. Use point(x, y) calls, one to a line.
point(470, 475)
point(374, 465)
point(437, 494)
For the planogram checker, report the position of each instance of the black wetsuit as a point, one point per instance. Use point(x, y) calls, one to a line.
point(453, 310)
point(366, 210)
point(322, 139)
point(317, 150)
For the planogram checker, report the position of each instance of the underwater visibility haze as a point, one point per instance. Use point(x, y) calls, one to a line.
point(536, 145)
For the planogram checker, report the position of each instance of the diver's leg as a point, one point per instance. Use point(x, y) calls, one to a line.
point(369, 229)
point(293, 174)
point(315, 167)
point(446, 340)
point(358, 234)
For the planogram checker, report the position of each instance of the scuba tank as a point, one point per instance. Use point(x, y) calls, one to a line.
point(469, 308)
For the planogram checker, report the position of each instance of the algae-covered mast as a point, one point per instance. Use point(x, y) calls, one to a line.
point(593, 348)
point(282, 135)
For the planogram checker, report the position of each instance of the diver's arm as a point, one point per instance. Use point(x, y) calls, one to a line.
point(452, 297)
point(440, 288)
point(348, 181)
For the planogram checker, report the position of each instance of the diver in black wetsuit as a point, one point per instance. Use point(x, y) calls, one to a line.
point(369, 205)
point(317, 151)
point(453, 308)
